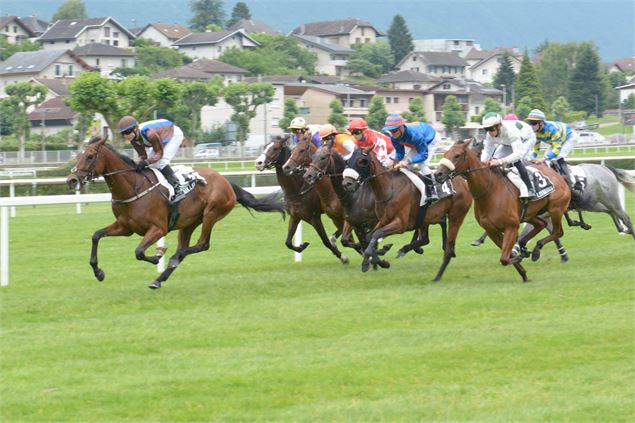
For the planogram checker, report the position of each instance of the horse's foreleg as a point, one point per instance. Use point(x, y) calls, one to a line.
point(319, 228)
point(294, 221)
point(115, 229)
point(510, 236)
point(448, 246)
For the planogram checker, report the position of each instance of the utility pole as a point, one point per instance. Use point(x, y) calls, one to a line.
point(348, 102)
point(504, 96)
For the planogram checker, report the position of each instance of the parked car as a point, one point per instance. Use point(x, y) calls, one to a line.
point(207, 150)
point(585, 137)
point(582, 125)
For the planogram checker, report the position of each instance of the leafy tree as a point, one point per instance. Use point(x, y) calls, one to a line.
point(523, 107)
point(560, 108)
point(278, 55)
point(8, 49)
point(371, 59)
point(505, 77)
point(240, 11)
point(376, 113)
point(399, 38)
point(490, 105)
point(554, 70)
point(527, 84)
point(206, 12)
point(585, 84)
point(7, 111)
point(156, 58)
point(23, 95)
point(198, 94)
point(416, 112)
point(70, 9)
point(337, 117)
point(290, 111)
point(244, 99)
point(629, 102)
point(453, 117)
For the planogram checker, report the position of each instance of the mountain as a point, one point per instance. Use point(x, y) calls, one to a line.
point(491, 23)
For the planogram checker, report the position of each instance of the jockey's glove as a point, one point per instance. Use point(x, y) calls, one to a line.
point(141, 165)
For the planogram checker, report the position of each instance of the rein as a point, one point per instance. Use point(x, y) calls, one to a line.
point(135, 197)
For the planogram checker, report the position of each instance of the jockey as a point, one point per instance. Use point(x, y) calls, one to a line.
point(364, 137)
point(506, 133)
point(342, 143)
point(422, 140)
point(527, 136)
point(156, 142)
point(560, 137)
point(298, 127)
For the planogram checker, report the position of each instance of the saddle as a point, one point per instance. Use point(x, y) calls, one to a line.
point(187, 177)
point(444, 190)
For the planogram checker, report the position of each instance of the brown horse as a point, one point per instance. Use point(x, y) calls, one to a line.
point(497, 207)
point(397, 204)
point(303, 203)
point(140, 205)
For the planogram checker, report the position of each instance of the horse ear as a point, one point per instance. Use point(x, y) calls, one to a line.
point(467, 142)
point(97, 139)
point(284, 138)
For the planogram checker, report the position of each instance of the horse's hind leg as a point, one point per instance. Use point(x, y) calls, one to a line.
point(622, 222)
point(319, 228)
point(115, 229)
point(478, 241)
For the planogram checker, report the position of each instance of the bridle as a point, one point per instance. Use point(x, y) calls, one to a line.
point(453, 172)
point(299, 167)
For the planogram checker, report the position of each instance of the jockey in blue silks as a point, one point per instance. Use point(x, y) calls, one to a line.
point(298, 127)
point(422, 140)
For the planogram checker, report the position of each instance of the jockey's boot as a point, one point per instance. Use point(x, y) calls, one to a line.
point(431, 189)
point(172, 179)
point(522, 171)
point(564, 171)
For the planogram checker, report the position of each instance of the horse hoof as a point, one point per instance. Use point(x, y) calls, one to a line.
point(155, 285)
point(100, 275)
point(535, 255)
point(365, 267)
point(400, 253)
point(586, 227)
point(564, 259)
point(476, 243)
point(418, 250)
point(344, 260)
point(384, 264)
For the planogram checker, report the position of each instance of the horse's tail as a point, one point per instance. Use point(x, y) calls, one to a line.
point(624, 177)
point(270, 203)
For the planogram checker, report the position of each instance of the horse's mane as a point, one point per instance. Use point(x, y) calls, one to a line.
point(122, 156)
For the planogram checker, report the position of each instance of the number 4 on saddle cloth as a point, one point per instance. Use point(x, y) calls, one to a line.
point(444, 189)
point(187, 177)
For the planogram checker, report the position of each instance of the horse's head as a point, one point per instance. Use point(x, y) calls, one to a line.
point(88, 164)
point(321, 164)
point(358, 169)
point(273, 153)
point(300, 155)
point(454, 161)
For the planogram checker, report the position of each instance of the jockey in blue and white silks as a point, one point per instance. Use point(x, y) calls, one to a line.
point(422, 140)
point(298, 126)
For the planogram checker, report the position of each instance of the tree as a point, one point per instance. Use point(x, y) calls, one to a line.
point(277, 55)
point(371, 59)
point(523, 107)
point(156, 58)
point(490, 105)
point(8, 49)
point(206, 12)
point(554, 69)
point(290, 111)
point(70, 9)
point(7, 111)
point(415, 112)
point(377, 113)
point(337, 117)
point(399, 38)
point(198, 94)
point(23, 95)
point(560, 108)
point(505, 77)
point(629, 102)
point(240, 11)
point(527, 84)
point(585, 84)
point(244, 99)
point(453, 117)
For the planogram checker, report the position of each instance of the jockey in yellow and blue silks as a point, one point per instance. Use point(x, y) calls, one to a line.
point(422, 140)
point(558, 135)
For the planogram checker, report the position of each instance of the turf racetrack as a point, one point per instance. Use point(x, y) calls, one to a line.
point(242, 333)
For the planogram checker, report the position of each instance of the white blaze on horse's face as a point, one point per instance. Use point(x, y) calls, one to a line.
point(262, 159)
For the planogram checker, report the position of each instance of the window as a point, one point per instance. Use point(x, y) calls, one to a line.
point(70, 70)
point(115, 42)
point(58, 70)
point(446, 86)
point(97, 62)
point(477, 110)
point(414, 58)
point(417, 87)
point(15, 28)
point(115, 34)
point(124, 63)
point(395, 100)
point(106, 31)
point(484, 72)
point(220, 48)
point(388, 100)
point(358, 40)
point(362, 103)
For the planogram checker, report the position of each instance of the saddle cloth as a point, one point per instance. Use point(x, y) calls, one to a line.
point(578, 176)
point(187, 177)
point(443, 190)
point(542, 184)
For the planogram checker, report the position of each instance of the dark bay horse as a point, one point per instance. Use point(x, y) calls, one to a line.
point(302, 203)
point(496, 204)
point(140, 205)
point(397, 204)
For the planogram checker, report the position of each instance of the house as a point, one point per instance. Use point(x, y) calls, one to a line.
point(52, 116)
point(163, 34)
point(344, 32)
point(26, 65)
point(37, 26)
point(458, 45)
point(397, 100)
point(471, 96)
point(626, 65)
point(331, 57)
point(105, 58)
point(251, 26)
point(204, 70)
point(627, 90)
point(408, 80)
point(484, 69)
point(57, 87)
point(435, 63)
point(210, 45)
point(70, 33)
point(14, 30)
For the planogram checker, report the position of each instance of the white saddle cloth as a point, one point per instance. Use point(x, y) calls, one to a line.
point(415, 179)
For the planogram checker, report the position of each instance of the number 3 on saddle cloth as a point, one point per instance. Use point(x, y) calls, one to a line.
point(188, 178)
point(542, 184)
point(444, 189)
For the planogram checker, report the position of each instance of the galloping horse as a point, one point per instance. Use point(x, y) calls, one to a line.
point(302, 203)
point(397, 204)
point(496, 204)
point(140, 205)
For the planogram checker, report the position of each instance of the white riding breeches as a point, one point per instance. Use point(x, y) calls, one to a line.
point(515, 179)
point(424, 167)
point(169, 149)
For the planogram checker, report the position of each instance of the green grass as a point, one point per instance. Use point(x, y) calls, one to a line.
point(243, 333)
